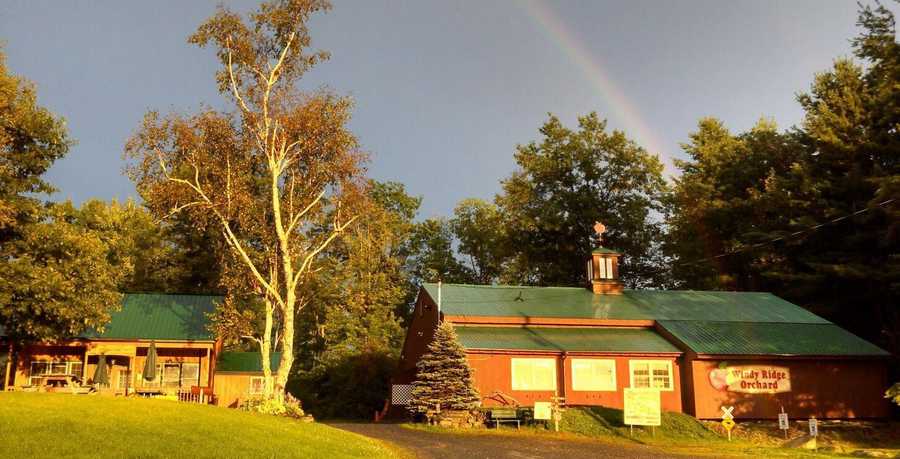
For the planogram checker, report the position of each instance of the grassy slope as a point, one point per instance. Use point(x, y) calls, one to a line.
point(679, 433)
point(63, 425)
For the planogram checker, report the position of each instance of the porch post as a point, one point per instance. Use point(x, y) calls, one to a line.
point(6, 382)
point(84, 367)
point(130, 383)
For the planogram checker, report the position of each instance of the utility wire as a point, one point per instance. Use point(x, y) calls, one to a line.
point(794, 234)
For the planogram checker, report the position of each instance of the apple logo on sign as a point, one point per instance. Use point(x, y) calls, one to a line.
point(718, 377)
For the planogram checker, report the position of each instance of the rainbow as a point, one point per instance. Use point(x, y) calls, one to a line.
point(622, 110)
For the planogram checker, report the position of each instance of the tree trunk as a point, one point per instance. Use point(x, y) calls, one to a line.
point(11, 365)
point(287, 346)
point(265, 350)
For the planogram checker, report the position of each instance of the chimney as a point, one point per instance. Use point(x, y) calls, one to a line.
point(603, 268)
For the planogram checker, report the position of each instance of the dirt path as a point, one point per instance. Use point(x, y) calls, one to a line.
point(432, 445)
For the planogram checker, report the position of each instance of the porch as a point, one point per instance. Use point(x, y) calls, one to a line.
point(182, 370)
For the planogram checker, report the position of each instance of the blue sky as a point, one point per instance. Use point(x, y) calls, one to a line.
point(444, 90)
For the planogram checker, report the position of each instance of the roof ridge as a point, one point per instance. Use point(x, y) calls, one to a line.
point(172, 294)
point(827, 322)
point(503, 286)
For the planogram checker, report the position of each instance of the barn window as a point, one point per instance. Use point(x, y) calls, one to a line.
point(593, 375)
point(533, 374)
point(651, 374)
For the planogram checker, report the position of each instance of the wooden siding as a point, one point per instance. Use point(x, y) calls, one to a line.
point(232, 388)
point(492, 371)
point(418, 335)
point(827, 389)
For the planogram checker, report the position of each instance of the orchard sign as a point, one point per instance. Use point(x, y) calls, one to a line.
point(751, 379)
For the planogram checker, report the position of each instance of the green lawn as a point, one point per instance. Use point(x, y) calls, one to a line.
point(87, 426)
point(683, 434)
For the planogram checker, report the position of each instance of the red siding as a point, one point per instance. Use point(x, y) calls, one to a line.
point(493, 373)
point(821, 388)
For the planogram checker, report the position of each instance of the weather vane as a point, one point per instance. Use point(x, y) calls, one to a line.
point(599, 228)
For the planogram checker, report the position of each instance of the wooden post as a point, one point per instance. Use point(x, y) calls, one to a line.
point(84, 367)
point(6, 382)
point(130, 383)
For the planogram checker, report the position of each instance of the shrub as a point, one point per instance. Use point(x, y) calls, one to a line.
point(346, 386)
point(289, 407)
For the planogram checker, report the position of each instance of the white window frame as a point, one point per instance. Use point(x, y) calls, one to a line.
point(650, 364)
point(590, 269)
point(262, 385)
point(513, 373)
point(182, 379)
point(124, 378)
point(69, 364)
point(589, 386)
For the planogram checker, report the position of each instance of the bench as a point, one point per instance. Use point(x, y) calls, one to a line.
point(499, 415)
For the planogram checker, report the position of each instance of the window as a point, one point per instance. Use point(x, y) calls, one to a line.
point(171, 375)
point(257, 385)
point(590, 269)
point(124, 378)
point(190, 374)
point(175, 375)
point(42, 369)
point(652, 374)
point(606, 268)
point(593, 374)
point(533, 374)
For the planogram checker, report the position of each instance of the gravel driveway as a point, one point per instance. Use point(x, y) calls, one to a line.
point(432, 445)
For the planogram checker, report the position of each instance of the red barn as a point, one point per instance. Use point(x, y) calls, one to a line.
point(702, 350)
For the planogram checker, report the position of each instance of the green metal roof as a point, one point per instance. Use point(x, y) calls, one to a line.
point(574, 339)
point(577, 302)
point(244, 362)
point(160, 316)
point(739, 338)
point(604, 250)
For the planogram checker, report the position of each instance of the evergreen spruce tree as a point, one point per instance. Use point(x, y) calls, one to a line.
point(444, 377)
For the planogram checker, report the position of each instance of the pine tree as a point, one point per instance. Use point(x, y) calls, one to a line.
point(444, 378)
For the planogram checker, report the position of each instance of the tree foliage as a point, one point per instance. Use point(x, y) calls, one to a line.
point(351, 331)
point(809, 214)
point(483, 242)
point(567, 182)
point(55, 277)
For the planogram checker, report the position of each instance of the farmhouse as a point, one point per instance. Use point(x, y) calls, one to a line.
point(190, 360)
point(702, 350)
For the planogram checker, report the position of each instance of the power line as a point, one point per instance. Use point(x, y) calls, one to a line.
point(788, 236)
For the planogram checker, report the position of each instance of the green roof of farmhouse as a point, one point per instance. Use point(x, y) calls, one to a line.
point(160, 316)
point(743, 338)
point(244, 362)
point(578, 302)
point(569, 339)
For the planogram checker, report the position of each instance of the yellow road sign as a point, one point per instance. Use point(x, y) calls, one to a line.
point(728, 424)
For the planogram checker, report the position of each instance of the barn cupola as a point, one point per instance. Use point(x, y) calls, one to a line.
point(603, 267)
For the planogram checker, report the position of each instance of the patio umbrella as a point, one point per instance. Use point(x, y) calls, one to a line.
point(150, 363)
point(101, 373)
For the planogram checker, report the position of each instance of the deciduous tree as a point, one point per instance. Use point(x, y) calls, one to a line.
point(268, 175)
point(55, 278)
point(567, 182)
